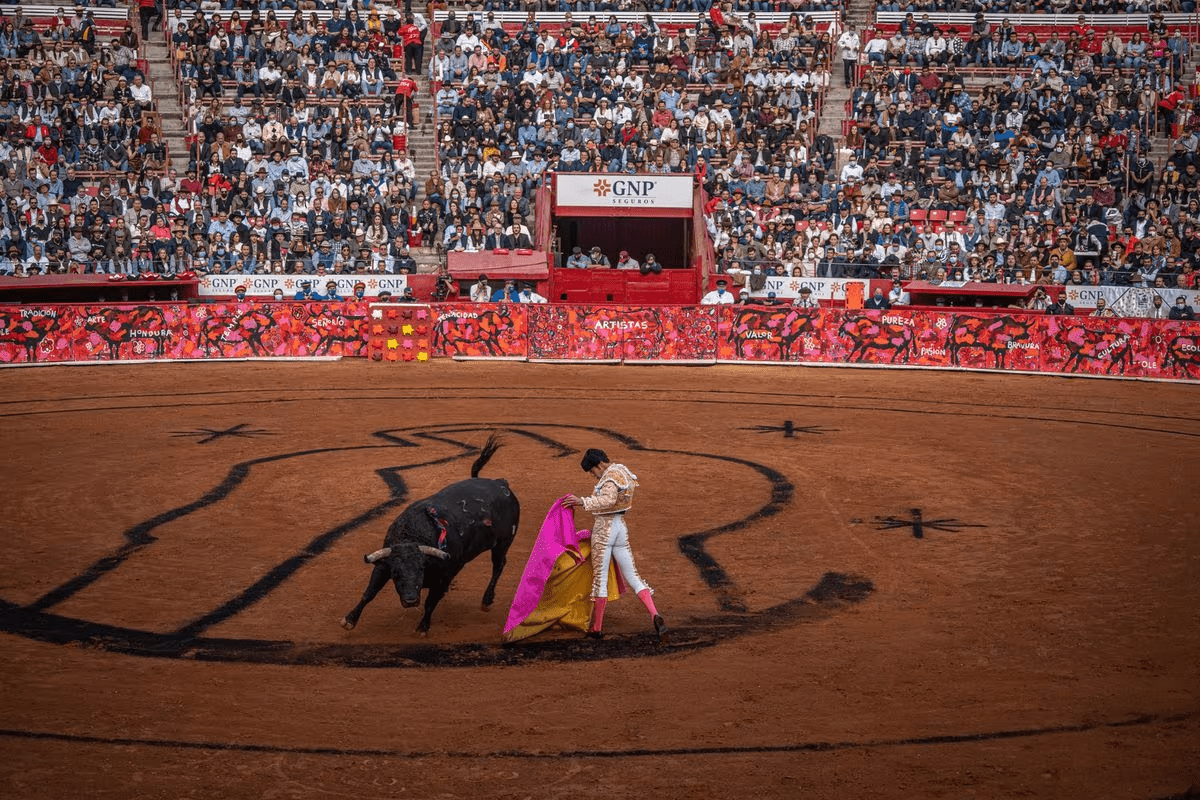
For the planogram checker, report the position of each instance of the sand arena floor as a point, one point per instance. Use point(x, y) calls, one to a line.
point(881, 585)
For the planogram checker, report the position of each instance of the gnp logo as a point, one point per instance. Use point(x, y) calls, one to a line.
point(626, 192)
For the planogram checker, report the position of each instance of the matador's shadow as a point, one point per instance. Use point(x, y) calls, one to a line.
point(732, 619)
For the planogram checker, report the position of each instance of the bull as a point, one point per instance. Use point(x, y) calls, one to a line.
point(434, 538)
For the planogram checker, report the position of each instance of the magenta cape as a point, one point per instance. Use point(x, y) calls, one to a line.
point(558, 534)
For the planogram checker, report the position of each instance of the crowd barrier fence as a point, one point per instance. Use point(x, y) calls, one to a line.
point(909, 337)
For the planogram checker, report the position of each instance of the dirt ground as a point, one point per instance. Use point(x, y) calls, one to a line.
point(880, 584)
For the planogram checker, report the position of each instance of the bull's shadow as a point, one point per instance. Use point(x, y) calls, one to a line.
point(732, 619)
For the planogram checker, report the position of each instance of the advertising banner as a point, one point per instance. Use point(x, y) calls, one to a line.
point(609, 333)
point(613, 190)
point(173, 331)
point(786, 288)
point(480, 330)
point(264, 286)
point(1128, 301)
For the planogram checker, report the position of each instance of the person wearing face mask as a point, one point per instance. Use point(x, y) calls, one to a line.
point(528, 295)
point(360, 291)
point(277, 296)
point(719, 296)
point(240, 293)
point(878, 301)
point(1181, 310)
point(306, 291)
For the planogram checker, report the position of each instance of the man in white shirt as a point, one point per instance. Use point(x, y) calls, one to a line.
point(848, 44)
point(141, 93)
point(877, 49)
point(852, 171)
point(528, 295)
point(719, 296)
point(480, 291)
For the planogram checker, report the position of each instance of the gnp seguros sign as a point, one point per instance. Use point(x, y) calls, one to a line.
point(615, 190)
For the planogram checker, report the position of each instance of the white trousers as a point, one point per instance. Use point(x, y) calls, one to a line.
point(618, 551)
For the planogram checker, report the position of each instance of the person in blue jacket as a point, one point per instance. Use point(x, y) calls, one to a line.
point(508, 294)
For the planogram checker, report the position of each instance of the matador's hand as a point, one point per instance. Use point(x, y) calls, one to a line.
point(571, 501)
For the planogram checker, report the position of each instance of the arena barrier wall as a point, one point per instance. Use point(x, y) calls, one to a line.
point(1116, 347)
point(398, 332)
point(66, 333)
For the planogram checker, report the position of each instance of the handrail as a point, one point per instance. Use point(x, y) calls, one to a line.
point(1060, 21)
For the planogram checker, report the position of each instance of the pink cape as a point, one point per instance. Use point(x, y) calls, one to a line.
point(557, 535)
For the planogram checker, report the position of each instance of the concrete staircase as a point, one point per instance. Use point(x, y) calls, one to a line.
point(833, 112)
point(165, 85)
point(423, 149)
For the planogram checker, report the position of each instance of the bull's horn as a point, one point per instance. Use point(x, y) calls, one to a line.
point(433, 551)
point(371, 558)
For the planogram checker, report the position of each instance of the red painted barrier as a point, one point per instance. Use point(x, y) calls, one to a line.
point(480, 330)
point(1129, 347)
point(177, 331)
point(623, 333)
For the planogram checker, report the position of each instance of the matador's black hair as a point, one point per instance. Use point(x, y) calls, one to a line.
point(592, 458)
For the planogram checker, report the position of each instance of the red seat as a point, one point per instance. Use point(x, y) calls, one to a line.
point(917, 214)
point(937, 215)
point(958, 215)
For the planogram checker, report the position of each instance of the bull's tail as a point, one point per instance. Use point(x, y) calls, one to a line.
point(485, 455)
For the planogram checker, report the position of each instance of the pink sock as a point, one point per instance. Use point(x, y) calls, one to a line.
point(598, 613)
point(648, 601)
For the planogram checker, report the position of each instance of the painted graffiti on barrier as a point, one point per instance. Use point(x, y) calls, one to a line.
point(1103, 347)
point(666, 333)
point(776, 334)
point(480, 331)
point(871, 338)
point(23, 332)
point(175, 331)
point(995, 336)
point(133, 332)
point(1183, 357)
point(1124, 346)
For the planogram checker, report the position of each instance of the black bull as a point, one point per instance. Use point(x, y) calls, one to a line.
point(470, 516)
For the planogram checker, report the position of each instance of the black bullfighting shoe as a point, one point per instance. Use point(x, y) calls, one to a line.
point(660, 627)
point(594, 634)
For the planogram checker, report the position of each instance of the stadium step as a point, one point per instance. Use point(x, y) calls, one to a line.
point(165, 85)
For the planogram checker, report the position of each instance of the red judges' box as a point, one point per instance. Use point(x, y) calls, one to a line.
point(398, 332)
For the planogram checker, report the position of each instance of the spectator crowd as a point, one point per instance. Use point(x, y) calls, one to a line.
point(969, 162)
point(981, 152)
point(75, 103)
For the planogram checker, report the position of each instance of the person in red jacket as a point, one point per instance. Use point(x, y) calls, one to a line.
point(37, 131)
point(410, 35)
point(147, 12)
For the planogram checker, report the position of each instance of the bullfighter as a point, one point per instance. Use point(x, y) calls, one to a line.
point(611, 498)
